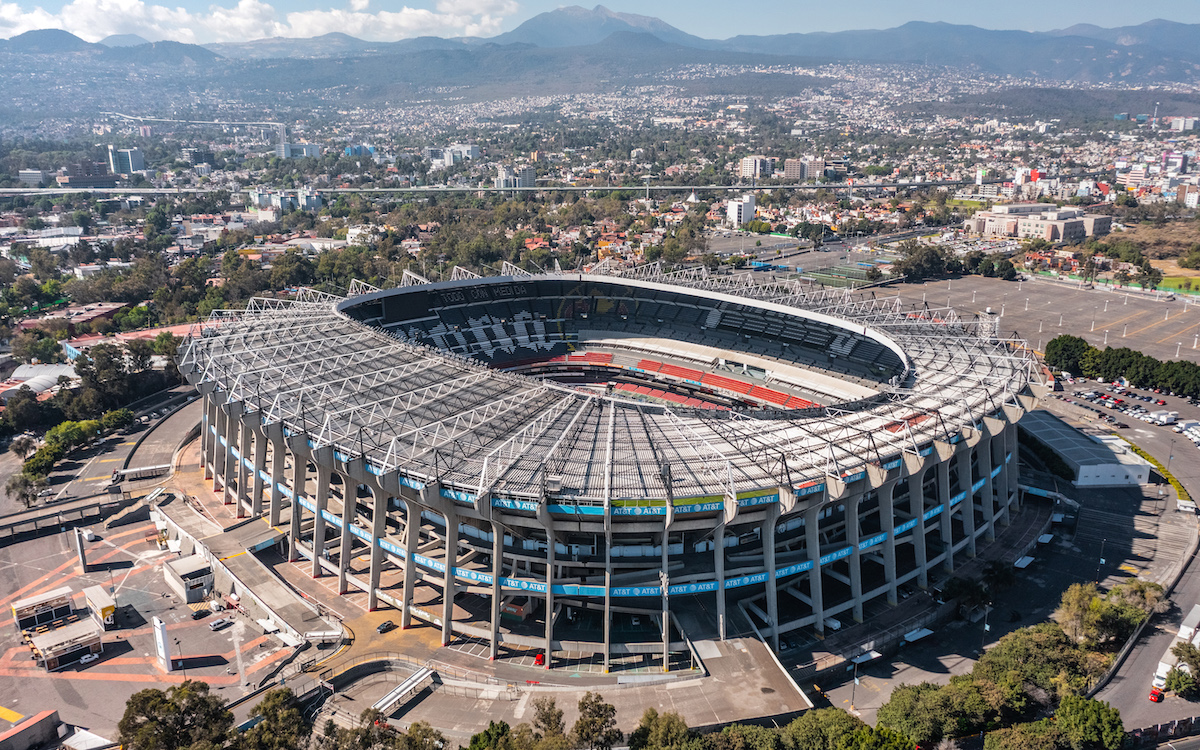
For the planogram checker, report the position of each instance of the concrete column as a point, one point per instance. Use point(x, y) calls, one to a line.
point(947, 517)
point(963, 462)
point(665, 585)
point(278, 454)
point(768, 537)
point(916, 509)
point(1003, 487)
point(853, 537)
point(719, 566)
point(550, 554)
point(220, 451)
point(812, 541)
point(449, 584)
point(412, 537)
point(299, 480)
point(242, 498)
point(987, 500)
point(207, 420)
point(321, 503)
point(378, 531)
point(497, 573)
point(345, 547)
point(1011, 469)
point(887, 525)
point(607, 598)
point(260, 466)
point(229, 475)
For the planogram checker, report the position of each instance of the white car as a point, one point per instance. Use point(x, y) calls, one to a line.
point(88, 658)
point(219, 624)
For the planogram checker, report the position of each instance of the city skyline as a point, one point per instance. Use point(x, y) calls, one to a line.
point(198, 21)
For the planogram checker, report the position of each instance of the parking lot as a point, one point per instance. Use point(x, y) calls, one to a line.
point(1038, 310)
point(128, 563)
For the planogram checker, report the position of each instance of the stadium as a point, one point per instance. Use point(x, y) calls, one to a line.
point(614, 463)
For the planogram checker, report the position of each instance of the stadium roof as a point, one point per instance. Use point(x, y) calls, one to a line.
point(435, 416)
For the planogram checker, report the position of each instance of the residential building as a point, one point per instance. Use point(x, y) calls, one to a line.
point(516, 177)
point(197, 155)
point(740, 210)
point(755, 166)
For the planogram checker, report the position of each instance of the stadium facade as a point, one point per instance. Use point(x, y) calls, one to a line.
point(636, 446)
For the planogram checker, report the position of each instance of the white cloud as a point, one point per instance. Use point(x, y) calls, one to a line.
point(254, 19)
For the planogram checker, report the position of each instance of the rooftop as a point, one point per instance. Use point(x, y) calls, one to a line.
point(1076, 448)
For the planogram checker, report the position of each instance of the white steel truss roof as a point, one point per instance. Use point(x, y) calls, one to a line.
point(429, 414)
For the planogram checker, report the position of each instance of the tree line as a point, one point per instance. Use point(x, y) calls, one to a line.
point(1067, 353)
point(1032, 674)
point(189, 717)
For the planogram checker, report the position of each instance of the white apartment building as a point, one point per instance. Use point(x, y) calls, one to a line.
point(740, 210)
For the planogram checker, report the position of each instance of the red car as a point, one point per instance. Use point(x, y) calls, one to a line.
point(540, 659)
point(1156, 695)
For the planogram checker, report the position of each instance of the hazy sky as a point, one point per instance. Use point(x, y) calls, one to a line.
point(240, 20)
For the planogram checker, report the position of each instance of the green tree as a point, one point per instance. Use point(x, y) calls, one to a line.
point(745, 737)
point(1075, 609)
point(140, 353)
point(68, 434)
point(283, 726)
point(819, 729)
point(183, 716)
point(547, 717)
point(42, 461)
point(1182, 683)
point(116, 419)
point(1090, 724)
point(917, 711)
point(24, 488)
point(875, 738)
point(1066, 353)
point(1035, 735)
point(596, 727)
point(497, 736)
point(658, 731)
point(23, 446)
point(1149, 277)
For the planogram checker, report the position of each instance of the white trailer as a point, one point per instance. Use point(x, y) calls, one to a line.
point(1191, 623)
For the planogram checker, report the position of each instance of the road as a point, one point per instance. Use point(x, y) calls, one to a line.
point(87, 471)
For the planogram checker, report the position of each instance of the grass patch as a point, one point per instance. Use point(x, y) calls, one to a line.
point(1181, 493)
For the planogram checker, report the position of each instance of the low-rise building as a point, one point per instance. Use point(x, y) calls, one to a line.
point(191, 578)
point(1039, 220)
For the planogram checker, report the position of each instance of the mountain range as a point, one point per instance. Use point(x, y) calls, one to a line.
point(1155, 51)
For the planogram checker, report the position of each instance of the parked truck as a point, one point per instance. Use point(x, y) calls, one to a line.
point(1168, 662)
point(1185, 425)
point(1164, 417)
point(1191, 623)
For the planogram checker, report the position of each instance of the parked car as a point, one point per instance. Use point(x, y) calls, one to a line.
point(200, 614)
point(88, 658)
point(385, 626)
point(220, 624)
point(1156, 695)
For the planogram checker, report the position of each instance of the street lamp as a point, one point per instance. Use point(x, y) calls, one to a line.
point(854, 687)
point(179, 647)
point(987, 609)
